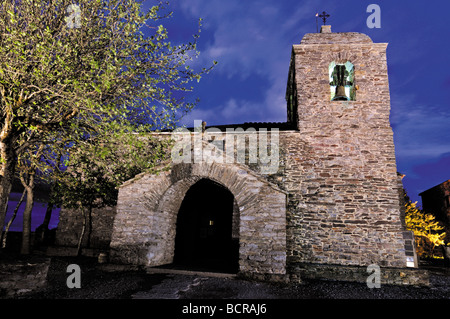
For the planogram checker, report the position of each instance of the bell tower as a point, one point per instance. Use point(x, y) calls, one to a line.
point(329, 69)
point(338, 101)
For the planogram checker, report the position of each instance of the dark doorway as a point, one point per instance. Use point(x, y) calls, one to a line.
point(204, 229)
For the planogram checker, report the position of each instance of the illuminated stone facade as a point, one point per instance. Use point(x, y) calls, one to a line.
point(343, 177)
point(333, 200)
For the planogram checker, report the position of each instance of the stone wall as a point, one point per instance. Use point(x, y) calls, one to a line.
point(341, 172)
point(328, 219)
point(390, 276)
point(99, 229)
point(145, 224)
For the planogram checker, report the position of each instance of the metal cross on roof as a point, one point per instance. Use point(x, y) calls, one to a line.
point(324, 17)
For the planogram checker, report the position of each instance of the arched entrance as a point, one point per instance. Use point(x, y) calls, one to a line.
point(145, 226)
point(204, 230)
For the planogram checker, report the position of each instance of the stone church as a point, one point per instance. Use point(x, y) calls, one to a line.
point(328, 209)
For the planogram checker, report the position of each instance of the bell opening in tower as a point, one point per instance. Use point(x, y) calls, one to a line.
point(342, 81)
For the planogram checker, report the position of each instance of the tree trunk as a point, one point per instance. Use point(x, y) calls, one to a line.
point(26, 232)
point(83, 230)
point(90, 226)
point(48, 216)
point(41, 233)
point(87, 223)
point(5, 233)
point(7, 168)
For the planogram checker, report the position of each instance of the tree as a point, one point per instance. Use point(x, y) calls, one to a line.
point(427, 231)
point(13, 217)
point(31, 167)
point(65, 69)
point(95, 169)
point(27, 178)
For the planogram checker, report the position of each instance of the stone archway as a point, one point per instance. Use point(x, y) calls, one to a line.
point(145, 225)
point(204, 238)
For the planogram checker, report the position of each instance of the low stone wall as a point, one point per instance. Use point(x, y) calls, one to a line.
point(100, 228)
point(22, 276)
point(391, 276)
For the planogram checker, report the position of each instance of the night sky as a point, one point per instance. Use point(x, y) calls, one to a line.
point(252, 40)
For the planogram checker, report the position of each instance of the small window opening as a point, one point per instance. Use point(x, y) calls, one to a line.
point(342, 81)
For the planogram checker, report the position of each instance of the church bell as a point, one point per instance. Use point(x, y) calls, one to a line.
point(340, 94)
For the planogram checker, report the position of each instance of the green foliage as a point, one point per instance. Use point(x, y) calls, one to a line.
point(69, 88)
point(427, 230)
point(99, 165)
point(76, 94)
point(67, 80)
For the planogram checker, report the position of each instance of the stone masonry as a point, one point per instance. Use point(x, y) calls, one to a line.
point(145, 224)
point(343, 177)
point(331, 201)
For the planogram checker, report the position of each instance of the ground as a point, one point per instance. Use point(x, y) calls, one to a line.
point(100, 282)
point(180, 295)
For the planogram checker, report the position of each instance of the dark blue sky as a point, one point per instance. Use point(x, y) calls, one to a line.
point(252, 40)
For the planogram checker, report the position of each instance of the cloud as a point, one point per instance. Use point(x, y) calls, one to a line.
point(197, 114)
point(242, 42)
point(426, 175)
point(421, 131)
point(422, 142)
point(244, 46)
